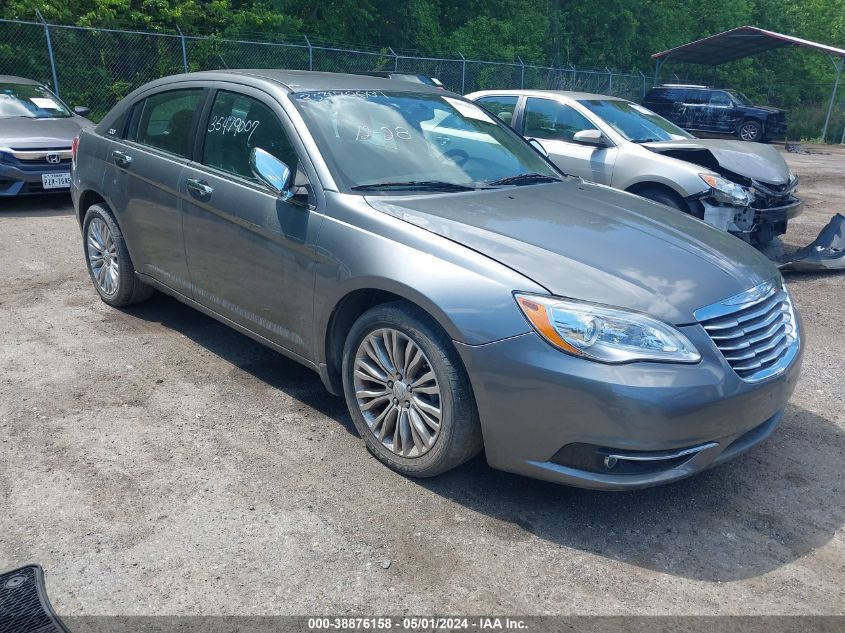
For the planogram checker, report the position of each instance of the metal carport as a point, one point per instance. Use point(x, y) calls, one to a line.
point(745, 41)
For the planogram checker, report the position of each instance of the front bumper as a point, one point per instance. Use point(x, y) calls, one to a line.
point(534, 400)
point(20, 179)
point(784, 211)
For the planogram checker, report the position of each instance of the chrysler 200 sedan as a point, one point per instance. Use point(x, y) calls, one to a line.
point(459, 300)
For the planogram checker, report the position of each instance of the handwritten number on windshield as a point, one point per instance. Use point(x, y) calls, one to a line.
point(388, 134)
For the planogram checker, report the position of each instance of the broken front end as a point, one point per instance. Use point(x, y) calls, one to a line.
point(754, 211)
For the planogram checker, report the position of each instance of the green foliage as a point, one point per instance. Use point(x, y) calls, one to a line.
point(611, 33)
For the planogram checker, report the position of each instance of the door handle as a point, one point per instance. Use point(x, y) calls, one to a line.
point(199, 188)
point(121, 158)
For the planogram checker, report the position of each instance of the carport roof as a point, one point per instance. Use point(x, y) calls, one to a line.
point(740, 42)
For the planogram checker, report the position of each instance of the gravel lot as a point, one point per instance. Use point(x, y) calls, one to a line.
point(156, 462)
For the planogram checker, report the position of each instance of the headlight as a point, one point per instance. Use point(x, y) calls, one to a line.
point(605, 334)
point(726, 191)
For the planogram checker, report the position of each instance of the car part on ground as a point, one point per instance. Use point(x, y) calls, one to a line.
point(826, 252)
point(36, 131)
point(442, 274)
point(24, 605)
point(702, 109)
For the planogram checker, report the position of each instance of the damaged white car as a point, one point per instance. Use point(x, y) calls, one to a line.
point(744, 188)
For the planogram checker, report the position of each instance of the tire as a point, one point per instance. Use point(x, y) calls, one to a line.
point(108, 261)
point(670, 199)
point(403, 447)
point(751, 131)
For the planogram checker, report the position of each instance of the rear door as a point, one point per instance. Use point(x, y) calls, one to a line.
point(721, 113)
point(694, 110)
point(554, 125)
point(142, 185)
point(250, 254)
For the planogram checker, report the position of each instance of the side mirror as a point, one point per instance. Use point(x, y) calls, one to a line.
point(589, 137)
point(82, 110)
point(539, 147)
point(271, 171)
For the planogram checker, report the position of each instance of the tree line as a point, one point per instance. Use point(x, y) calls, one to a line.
point(619, 34)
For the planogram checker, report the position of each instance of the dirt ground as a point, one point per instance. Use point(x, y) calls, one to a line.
point(156, 462)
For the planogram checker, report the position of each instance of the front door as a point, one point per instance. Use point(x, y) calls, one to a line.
point(251, 254)
point(554, 125)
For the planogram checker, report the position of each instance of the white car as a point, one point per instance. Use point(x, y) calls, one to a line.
point(744, 188)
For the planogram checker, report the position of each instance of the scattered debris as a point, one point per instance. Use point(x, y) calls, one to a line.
point(826, 252)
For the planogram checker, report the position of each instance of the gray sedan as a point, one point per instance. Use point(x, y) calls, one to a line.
point(36, 130)
point(441, 274)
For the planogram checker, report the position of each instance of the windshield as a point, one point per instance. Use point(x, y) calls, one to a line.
point(30, 101)
point(635, 122)
point(392, 141)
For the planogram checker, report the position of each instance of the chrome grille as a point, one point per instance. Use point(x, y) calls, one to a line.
point(755, 331)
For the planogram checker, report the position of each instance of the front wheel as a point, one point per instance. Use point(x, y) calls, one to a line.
point(408, 392)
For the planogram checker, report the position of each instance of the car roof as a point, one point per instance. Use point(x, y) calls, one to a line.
point(12, 79)
point(690, 86)
point(303, 80)
point(577, 96)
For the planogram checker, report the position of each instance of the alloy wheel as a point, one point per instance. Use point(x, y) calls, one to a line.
point(397, 392)
point(102, 256)
point(748, 132)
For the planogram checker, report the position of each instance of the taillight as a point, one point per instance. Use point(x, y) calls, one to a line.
point(74, 145)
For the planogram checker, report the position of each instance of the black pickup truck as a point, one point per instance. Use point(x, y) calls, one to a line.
point(716, 111)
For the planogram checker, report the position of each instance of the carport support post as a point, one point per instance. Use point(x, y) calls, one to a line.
point(837, 64)
point(50, 52)
point(184, 50)
point(658, 64)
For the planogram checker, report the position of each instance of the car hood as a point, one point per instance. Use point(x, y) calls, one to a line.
point(768, 109)
point(24, 133)
point(752, 160)
point(589, 242)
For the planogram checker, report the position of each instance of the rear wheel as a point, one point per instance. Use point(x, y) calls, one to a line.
point(408, 393)
point(751, 131)
point(109, 264)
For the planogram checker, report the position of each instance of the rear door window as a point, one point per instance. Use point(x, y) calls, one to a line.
point(239, 123)
point(165, 120)
point(502, 106)
point(665, 95)
point(547, 119)
point(697, 97)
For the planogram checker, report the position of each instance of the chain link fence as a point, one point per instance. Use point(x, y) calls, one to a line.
point(98, 67)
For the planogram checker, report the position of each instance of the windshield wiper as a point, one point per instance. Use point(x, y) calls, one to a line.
point(646, 140)
point(524, 179)
point(427, 185)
